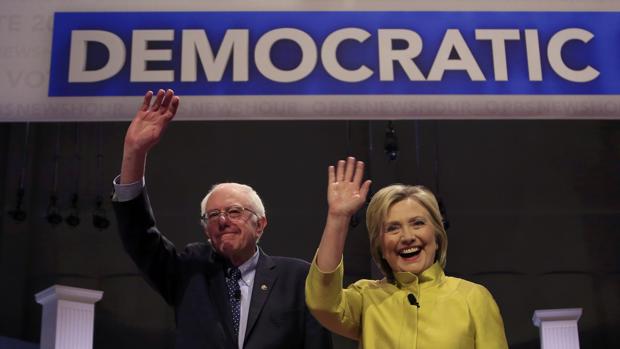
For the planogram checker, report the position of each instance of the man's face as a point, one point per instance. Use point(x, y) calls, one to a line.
point(233, 238)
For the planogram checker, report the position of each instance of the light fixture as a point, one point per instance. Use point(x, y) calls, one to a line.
point(391, 142)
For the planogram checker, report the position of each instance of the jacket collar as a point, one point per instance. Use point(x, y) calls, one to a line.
point(433, 276)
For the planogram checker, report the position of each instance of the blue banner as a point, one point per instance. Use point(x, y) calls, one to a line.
point(336, 53)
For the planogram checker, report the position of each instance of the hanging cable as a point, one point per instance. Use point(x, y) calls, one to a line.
point(418, 148)
point(369, 167)
point(53, 213)
point(391, 142)
point(18, 214)
point(355, 219)
point(73, 218)
point(100, 217)
point(442, 208)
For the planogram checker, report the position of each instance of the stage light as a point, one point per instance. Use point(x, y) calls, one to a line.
point(391, 143)
point(73, 218)
point(100, 219)
point(18, 214)
point(53, 215)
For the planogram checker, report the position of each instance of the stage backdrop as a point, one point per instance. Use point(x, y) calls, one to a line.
point(84, 60)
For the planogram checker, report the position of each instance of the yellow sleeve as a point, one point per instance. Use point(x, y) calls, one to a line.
point(488, 322)
point(336, 309)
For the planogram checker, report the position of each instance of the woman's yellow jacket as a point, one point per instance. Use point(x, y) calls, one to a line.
point(452, 314)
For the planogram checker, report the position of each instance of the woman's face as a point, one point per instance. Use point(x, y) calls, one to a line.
point(408, 240)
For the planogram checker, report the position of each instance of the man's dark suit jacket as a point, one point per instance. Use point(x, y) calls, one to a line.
point(193, 283)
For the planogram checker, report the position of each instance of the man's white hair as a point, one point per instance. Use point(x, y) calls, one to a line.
point(255, 202)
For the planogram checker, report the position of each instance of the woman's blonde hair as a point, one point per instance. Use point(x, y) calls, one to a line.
point(377, 212)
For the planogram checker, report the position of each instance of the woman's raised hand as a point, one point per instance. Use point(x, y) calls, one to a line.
point(346, 193)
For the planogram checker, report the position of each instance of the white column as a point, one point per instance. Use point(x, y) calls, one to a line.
point(558, 328)
point(68, 317)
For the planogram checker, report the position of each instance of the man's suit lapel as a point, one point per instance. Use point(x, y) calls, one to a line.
point(264, 279)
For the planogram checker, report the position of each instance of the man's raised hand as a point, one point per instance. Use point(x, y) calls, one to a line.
point(150, 121)
point(145, 131)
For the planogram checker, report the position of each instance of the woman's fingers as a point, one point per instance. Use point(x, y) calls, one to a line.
point(340, 171)
point(359, 173)
point(331, 175)
point(365, 188)
point(348, 170)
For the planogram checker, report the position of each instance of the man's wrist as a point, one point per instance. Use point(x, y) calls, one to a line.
point(127, 191)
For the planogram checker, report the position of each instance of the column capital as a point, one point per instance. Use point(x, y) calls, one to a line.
point(568, 314)
point(68, 293)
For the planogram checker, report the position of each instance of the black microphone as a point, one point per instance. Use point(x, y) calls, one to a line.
point(412, 300)
point(237, 295)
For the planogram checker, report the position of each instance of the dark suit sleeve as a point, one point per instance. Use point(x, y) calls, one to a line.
point(154, 255)
point(316, 335)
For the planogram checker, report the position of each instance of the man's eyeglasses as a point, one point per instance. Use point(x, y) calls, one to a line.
point(233, 213)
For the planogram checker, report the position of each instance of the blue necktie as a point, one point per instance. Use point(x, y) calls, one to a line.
point(234, 296)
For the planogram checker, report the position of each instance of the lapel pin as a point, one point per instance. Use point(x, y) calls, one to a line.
point(263, 287)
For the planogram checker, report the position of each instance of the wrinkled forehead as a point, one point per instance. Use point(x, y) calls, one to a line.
point(404, 209)
point(226, 195)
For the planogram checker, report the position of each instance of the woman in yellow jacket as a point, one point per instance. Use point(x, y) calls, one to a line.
point(416, 305)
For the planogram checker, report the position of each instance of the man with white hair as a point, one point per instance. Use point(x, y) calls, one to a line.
point(226, 293)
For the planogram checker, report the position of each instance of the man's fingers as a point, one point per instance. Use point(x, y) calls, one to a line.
point(331, 175)
point(158, 100)
point(171, 111)
point(174, 105)
point(167, 98)
point(146, 101)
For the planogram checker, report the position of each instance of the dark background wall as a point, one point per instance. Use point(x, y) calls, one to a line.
point(533, 207)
